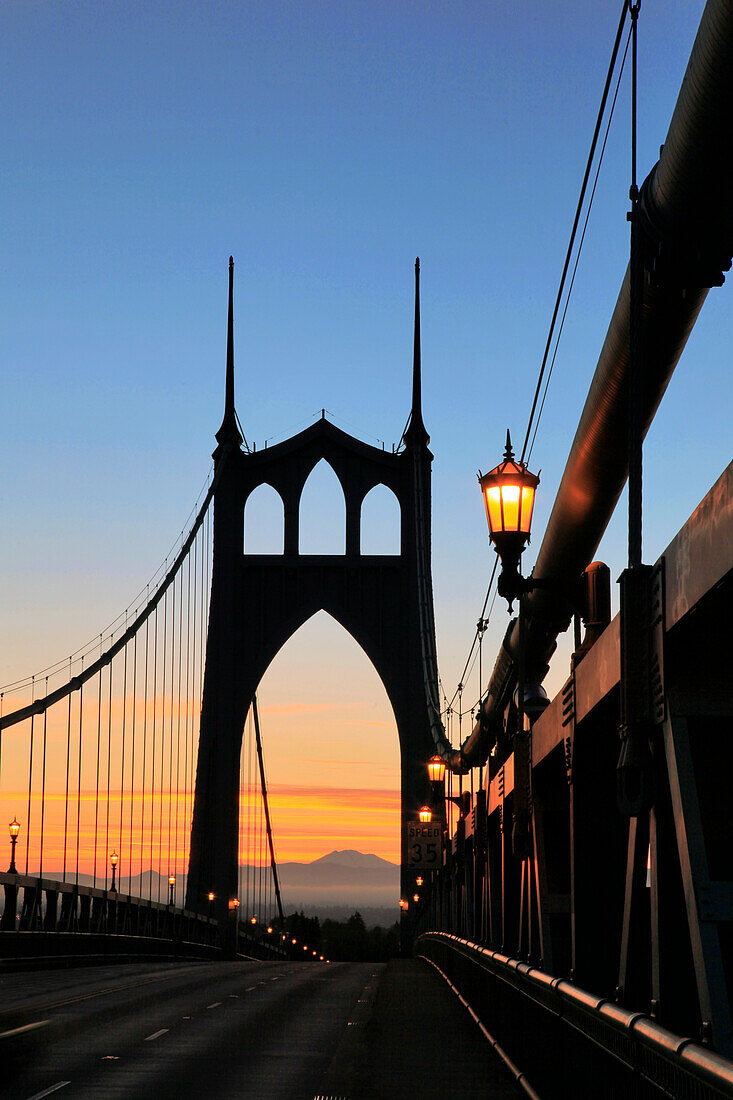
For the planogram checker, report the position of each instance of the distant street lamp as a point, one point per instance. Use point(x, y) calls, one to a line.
point(233, 904)
point(404, 904)
point(415, 897)
point(253, 920)
point(14, 828)
point(212, 895)
point(113, 860)
point(508, 492)
point(419, 880)
point(269, 930)
point(172, 887)
point(425, 814)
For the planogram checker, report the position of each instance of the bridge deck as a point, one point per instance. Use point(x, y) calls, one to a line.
point(267, 1031)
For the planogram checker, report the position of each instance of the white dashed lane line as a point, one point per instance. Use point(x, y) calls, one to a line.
point(214, 1005)
point(155, 1035)
point(47, 1092)
point(250, 988)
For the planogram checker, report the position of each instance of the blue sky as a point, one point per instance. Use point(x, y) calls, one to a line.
point(324, 145)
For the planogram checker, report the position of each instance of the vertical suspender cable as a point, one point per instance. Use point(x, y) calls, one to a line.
point(152, 748)
point(187, 704)
point(132, 761)
point(170, 739)
point(78, 779)
point(178, 720)
point(145, 746)
point(66, 795)
point(109, 776)
point(30, 784)
point(162, 739)
point(122, 758)
point(636, 376)
point(263, 783)
point(99, 742)
point(43, 789)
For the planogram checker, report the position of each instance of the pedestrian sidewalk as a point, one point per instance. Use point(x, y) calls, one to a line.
point(417, 1041)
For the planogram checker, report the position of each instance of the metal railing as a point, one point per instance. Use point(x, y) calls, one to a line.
point(569, 1043)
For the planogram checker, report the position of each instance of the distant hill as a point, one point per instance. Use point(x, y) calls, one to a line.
point(338, 882)
point(346, 878)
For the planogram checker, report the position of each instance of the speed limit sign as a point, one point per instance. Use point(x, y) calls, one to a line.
point(424, 845)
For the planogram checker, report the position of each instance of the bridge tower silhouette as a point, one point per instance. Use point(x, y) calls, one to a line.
point(259, 601)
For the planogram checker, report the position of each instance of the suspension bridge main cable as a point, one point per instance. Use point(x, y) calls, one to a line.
point(580, 246)
point(576, 220)
point(38, 706)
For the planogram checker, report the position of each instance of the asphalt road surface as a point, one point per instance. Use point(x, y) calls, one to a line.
point(184, 1029)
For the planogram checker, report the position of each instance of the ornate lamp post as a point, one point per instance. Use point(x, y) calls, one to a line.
point(172, 889)
point(14, 828)
point(113, 860)
point(425, 814)
point(508, 492)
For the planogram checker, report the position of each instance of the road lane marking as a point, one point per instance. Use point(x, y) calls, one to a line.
point(19, 1030)
point(250, 988)
point(47, 1092)
point(183, 972)
point(234, 995)
point(214, 1005)
point(155, 1035)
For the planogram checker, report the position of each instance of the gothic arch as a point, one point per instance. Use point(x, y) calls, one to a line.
point(380, 521)
point(322, 512)
point(264, 521)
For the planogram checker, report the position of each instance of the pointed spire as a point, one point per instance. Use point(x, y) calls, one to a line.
point(229, 431)
point(416, 429)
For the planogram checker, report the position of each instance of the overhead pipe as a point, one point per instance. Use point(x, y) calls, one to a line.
point(686, 208)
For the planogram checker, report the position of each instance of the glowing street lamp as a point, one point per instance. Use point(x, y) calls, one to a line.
point(113, 860)
point(269, 930)
point(172, 887)
point(419, 880)
point(14, 828)
point(404, 904)
point(234, 904)
point(425, 814)
point(436, 769)
point(253, 920)
point(508, 492)
point(415, 897)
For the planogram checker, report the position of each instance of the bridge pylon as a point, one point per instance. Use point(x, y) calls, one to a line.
point(258, 601)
